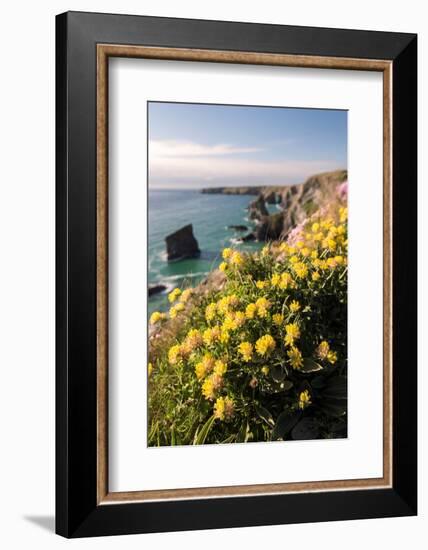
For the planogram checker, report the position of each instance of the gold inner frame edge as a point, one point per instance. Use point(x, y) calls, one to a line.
point(104, 52)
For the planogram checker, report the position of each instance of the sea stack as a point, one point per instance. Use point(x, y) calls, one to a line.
point(182, 244)
point(257, 209)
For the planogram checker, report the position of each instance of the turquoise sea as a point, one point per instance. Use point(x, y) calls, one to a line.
point(210, 215)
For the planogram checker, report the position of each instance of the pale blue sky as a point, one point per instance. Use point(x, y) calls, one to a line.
point(199, 145)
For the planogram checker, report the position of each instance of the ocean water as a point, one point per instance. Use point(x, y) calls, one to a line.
point(210, 215)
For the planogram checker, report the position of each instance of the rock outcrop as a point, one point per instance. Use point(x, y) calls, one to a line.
point(156, 289)
point(275, 194)
point(270, 227)
point(297, 202)
point(182, 244)
point(257, 209)
point(238, 227)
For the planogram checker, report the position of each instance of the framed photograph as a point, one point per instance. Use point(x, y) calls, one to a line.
point(236, 274)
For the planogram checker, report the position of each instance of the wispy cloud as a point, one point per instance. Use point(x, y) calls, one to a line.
point(192, 164)
point(179, 149)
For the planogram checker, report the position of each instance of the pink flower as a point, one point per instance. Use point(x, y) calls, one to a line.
point(342, 190)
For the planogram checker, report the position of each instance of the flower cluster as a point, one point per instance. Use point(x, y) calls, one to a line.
point(271, 341)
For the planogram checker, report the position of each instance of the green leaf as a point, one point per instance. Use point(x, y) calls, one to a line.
point(284, 423)
point(242, 435)
point(309, 365)
point(205, 430)
point(334, 407)
point(307, 428)
point(228, 439)
point(264, 414)
point(277, 373)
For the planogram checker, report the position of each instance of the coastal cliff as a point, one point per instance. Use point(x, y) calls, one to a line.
point(296, 202)
point(277, 193)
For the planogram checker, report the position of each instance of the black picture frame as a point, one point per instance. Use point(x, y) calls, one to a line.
point(77, 512)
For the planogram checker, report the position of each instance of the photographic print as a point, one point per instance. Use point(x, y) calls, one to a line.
point(247, 274)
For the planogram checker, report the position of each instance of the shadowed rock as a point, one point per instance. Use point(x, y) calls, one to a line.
point(270, 228)
point(238, 227)
point(257, 209)
point(182, 244)
point(156, 289)
point(247, 238)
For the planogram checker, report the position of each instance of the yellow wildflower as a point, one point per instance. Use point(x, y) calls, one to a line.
point(327, 223)
point(292, 333)
point(276, 279)
point(286, 281)
point(223, 266)
point(156, 316)
point(343, 214)
point(210, 311)
point(305, 251)
point(261, 284)
point(172, 296)
point(227, 253)
point(294, 259)
point(211, 335)
point(263, 305)
point(265, 344)
point(185, 295)
point(300, 269)
point(237, 259)
point(329, 243)
point(246, 350)
point(304, 399)
point(211, 385)
point(265, 370)
point(294, 306)
point(224, 337)
point(239, 318)
point(278, 319)
point(205, 366)
point(233, 300)
point(322, 350)
point(224, 408)
point(332, 357)
point(331, 263)
point(229, 323)
point(174, 354)
point(315, 276)
point(193, 340)
point(295, 357)
point(227, 302)
point(233, 320)
point(315, 227)
point(175, 310)
point(250, 311)
point(339, 260)
point(220, 367)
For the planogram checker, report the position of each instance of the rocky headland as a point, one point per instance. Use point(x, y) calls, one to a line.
point(296, 203)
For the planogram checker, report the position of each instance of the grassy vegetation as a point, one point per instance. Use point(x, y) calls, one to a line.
point(263, 355)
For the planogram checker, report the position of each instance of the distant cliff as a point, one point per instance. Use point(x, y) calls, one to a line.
point(282, 194)
point(297, 202)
